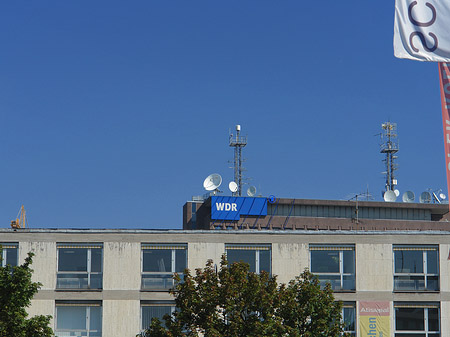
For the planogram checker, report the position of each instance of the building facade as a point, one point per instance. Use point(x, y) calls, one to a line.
point(112, 282)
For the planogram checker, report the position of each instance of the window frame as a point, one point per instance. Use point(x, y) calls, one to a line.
point(5, 248)
point(89, 273)
point(166, 277)
point(87, 305)
point(323, 275)
point(253, 247)
point(425, 249)
point(418, 305)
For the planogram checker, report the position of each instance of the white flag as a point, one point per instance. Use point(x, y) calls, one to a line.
point(422, 30)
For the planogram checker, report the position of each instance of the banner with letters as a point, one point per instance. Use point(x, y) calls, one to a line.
point(231, 208)
point(421, 30)
point(374, 319)
point(444, 75)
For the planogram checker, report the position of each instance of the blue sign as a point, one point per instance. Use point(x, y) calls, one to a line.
point(231, 208)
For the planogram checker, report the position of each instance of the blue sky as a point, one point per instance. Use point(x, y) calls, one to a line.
point(112, 113)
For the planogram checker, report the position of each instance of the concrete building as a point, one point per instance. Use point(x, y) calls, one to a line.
point(111, 282)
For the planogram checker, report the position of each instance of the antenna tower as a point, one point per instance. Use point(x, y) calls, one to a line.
point(238, 142)
point(389, 147)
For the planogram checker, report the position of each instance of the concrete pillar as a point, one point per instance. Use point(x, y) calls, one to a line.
point(289, 260)
point(444, 267)
point(42, 307)
point(120, 318)
point(374, 267)
point(200, 252)
point(121, 266)
point(44, 262)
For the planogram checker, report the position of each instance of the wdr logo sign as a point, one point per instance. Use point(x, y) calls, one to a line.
point(231, 208)
point(225, 206)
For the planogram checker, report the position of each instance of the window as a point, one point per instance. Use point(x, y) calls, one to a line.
point(157, 309)
point(9, 254)
point(78, 319)
point(417, 319)
point(349, 318)
point(79, 266)
point(416, 268)
point(160, 262)
point(335, 265)
point(257, 256)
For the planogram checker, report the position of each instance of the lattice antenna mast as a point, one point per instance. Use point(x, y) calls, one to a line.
point(389, 147)
point(238, 142)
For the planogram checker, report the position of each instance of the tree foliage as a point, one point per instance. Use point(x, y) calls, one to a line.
point(235, 302)
point(16, 292)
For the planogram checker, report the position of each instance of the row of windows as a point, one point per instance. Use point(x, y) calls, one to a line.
point(348, 212)
point(85, 318)
point(416, 268)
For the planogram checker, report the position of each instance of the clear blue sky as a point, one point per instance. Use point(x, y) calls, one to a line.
point(112, 113)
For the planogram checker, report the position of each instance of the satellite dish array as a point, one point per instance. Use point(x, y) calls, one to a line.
point(409, 197)
point(213, 181)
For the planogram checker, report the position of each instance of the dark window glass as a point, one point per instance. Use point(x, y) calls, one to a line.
point(432, 261)
point(411, 319)
point(408, 261)
point(264, 261)
point(96, 260)
point(149, 312)
point(157, 260)
point(349, 319)
point(433, 319)
point(72, 259)
point(325, 261)
point(71, 318)
point(180, 260)
point(247, 256)
point(11, 256)
point(349, 261)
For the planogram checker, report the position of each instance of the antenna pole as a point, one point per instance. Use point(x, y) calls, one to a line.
point(238, 143)
point(389, 147)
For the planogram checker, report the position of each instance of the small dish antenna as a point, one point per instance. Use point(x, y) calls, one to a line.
point(442, 196)
point(251, 191)
point(397, 193)
point(389, 196)
point(408, 196)
point(425, 197)
point(212, 182)
point(233, 186)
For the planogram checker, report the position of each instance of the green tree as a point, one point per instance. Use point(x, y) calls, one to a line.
point(235, 302)
point(16, 292)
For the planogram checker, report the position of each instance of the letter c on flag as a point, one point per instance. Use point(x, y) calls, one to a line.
point(421, 24)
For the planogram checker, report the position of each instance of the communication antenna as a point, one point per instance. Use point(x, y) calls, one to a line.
point(389, 147)
point(408, 196)
point(438, 196)
point(356, 197)
point(390, 196)
point(251, 191)
point(233, 187)
point(425, 197)
point(212, 182)
point(238, 142)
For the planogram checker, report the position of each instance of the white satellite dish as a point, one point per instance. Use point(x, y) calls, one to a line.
point(442, 196)
point(251, 191)
point(389, 196)
point(425, 197)
point(397, 193)
point(212, 182)
point(408, 196)
point(233, 186)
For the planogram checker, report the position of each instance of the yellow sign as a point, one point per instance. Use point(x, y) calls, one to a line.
point(374, 319)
